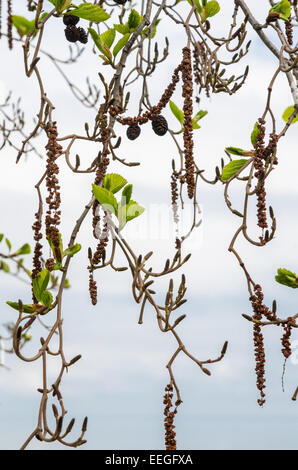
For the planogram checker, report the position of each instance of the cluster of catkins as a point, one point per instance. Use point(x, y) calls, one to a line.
point(72, 33)
point(170, 434)
point(159, 123)
point(53, 199)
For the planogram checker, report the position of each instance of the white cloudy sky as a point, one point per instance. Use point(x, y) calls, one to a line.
point(119, 382)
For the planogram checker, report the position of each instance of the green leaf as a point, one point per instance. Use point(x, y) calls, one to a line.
point(46, 298)
point(288, 113)
point(134, 210)
point(254, 134)
point(66, 284)
point(106, 198)
point(235, 151)
point(153, 30)
point(287, 278)
point(231, 169)
point(72, 250)
point(283, 8)
point(178, 113)
point(134, 20)
point(22, 25)
point(212, 8)
point(24, 250)
point(197, 118)
point(90, 12)
point(108, 37)
point(1, 236)
point(114, 182)
point(40, 283)
point(28, 308)
point(4, 266)
point(126, 195)
point(121, 28)
point(198, 5)
point(62, 5)
point(120, 44)
point(8, 244)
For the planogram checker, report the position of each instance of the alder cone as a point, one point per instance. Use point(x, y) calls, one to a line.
point(70, 20)
point(72, 33)
point(120, 2)
point(160, 125)
point(133, 131)
point(83, 36)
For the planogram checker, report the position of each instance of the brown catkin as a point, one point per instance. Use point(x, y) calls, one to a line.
point(260, 310)
point(260, 175)
point(187, 92)
point(53, 199)
point(286, 339)
point(169, 416)
point(9, 23)
point(289, 31)
point(92, 288)
point(174, 193)
point(37, 266)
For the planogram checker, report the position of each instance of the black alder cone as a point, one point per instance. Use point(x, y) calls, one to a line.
point(70, 20)
point(83, 36)
point(120, 2)
point(133, 131)
point(160, 125)
point(72, 33)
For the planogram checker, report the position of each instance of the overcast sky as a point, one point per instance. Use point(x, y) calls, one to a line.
point(120, 380)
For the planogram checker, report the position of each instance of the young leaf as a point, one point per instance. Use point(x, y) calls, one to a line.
point(114, 182)
point(1, 236)
point(108, 37)
point(197, 118)
point(24, 250)
point(120, 44)
point(288, 113)
point(72, 250)
point(231, 169)
point(134, 20)
point(153, 30)
point(28, 308)
point(8, 244)
point(90, 12)
point(283, 8)
point(287, 278)
point(254, 134)
point(178, 113)
point(22, 25)
point(212, 8)
point(198, 5)
point(106, 198)
point(121, 28)
point(4, 266)
point(235, 151)
point(46, 298)
point(134, 210)
point(126, 195)
point(40, 283)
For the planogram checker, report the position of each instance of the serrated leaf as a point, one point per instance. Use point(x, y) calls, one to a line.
point(27, 308)
point(232, 168)
point(254, 134)
point(120, 44)
point(90, 12)
point(72, 250)
point(178, 113)
point(8, 243)
point(121, 28)
point(283, 8)
point(235, 151)
point(106, 198)
point(40, 283)
point(134, 210)
point(288, 113)
point(134, 20)
point(114, 182)
point(287, 278)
